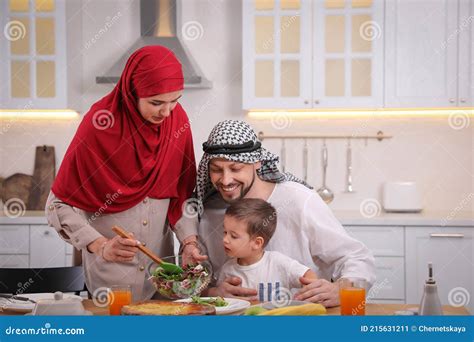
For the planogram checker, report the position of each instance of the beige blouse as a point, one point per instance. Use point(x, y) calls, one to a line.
point(146, 220)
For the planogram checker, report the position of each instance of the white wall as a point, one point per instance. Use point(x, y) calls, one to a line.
point(428, 151)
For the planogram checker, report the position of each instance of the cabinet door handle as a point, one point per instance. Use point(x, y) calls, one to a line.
point(452, 100)
point(447, 235)
point(463, 100)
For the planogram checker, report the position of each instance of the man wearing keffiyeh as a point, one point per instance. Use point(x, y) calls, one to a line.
point(234, 166)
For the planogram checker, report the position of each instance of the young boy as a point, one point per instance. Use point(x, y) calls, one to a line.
point(248, 226)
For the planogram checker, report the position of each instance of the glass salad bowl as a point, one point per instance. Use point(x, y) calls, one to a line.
point(191, 282)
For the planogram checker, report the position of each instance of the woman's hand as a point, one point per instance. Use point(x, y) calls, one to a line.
point(116, 249)
point(318, 291)
point(191, 253)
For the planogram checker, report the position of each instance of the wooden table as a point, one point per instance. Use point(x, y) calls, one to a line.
point(371, 309)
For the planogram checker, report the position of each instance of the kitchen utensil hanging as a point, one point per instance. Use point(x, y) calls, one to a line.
point(349, 186)
point(305, 161)
point(326, 194)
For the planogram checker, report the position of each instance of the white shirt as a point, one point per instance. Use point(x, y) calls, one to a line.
point(307, 231)
point(273, 275)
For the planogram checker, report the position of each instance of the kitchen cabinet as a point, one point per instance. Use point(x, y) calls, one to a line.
point(387, 245)
point(277, 53)
point(47, 249)
point(465, 72)
point(312, 54)
point(348, 44)
point(450, 250)
point(14, 239)
point(428, 53)
point(35, 246)
point(14, 261)
point(33, 69)
point(402, 254)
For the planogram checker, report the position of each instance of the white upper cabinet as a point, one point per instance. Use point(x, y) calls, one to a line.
point(428, 53)
point(466, 54)
point(277, 54)
point(312, 54)
point(347, 53)
point(33, 54)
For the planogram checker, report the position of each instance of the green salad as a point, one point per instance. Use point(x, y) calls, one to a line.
point(215, 301)
point(187, 284)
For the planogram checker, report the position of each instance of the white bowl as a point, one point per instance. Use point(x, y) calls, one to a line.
point(59, 306)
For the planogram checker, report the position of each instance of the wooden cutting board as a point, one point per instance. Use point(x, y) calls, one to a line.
point(17, 188)
point(165, 308)
point(43, 177)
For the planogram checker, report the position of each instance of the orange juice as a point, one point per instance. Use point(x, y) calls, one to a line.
point(352, 301)
point(118, 298)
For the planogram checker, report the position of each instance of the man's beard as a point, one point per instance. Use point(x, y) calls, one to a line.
point(243, 192)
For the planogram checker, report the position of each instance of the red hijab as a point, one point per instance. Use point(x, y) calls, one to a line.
point(117, 158)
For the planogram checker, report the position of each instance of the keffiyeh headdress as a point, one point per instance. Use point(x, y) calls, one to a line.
point(236, 141)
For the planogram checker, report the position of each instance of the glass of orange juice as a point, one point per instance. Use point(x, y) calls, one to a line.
point(352, 296)
point(118, 296)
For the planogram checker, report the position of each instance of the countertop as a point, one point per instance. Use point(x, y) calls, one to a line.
point(424, 218)
point(347, 218)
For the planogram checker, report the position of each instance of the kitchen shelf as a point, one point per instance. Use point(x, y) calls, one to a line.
point(379, 136)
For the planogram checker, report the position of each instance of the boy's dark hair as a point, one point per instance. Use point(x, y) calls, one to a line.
point(260, 216)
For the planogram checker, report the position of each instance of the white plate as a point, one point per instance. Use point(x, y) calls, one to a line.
point(24, 307)
point(235, 306)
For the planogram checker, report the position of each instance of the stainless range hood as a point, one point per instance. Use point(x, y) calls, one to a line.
point(158, 20)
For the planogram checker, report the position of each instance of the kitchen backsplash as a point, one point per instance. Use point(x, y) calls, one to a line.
point(427, 151)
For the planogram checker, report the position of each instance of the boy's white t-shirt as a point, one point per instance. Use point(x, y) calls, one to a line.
point(272, 276)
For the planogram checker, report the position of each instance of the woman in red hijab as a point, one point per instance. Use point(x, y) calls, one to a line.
point(131, 164)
